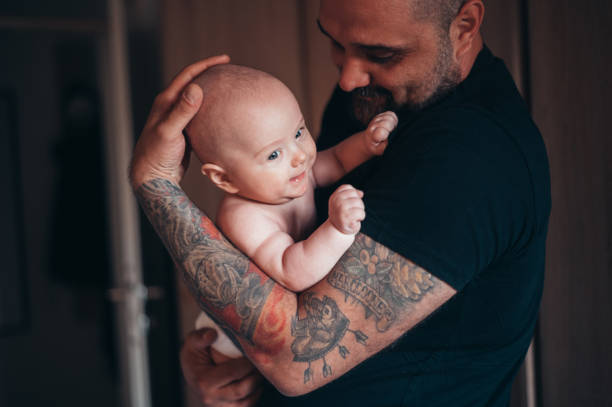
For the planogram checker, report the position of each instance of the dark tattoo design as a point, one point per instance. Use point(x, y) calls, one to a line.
point(216, 272)
point(382, 281)
point(319, 332)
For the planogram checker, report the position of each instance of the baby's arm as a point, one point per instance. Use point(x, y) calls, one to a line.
point(297, 265)
point(333, 163)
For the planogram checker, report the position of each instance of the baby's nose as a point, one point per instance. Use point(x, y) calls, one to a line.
point(298, 158)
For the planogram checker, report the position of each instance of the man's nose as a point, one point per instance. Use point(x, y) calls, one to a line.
point(352, 75)
point(299, 156)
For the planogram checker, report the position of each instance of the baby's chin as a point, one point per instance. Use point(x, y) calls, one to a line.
point(270, 200)
point(286, 199)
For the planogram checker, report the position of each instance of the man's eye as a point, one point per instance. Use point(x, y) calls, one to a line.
point(381, 59)
point(275, 154)
point(299, 133)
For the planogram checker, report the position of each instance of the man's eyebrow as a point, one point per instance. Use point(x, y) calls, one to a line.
point(365, 47)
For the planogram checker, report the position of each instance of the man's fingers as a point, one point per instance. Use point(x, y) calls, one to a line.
point(182, 112)
point(172, 93)
point(189, 73)
point(201, 338)
point(195, 350)
point(251, 400)
point(241, 389)
point(230, 371)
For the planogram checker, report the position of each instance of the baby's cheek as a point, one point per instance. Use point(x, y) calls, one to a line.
point(313, 150)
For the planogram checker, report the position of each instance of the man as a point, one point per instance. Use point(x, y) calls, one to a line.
point(436, 301)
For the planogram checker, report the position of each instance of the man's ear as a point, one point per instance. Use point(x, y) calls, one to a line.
point(465, 28)
point(218, 176)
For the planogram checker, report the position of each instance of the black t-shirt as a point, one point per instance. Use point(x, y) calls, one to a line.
point(463, 191)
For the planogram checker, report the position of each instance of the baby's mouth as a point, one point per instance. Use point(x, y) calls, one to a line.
point(298, 178)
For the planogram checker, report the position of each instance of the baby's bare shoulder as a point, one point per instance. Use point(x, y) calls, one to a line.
point(247, 224)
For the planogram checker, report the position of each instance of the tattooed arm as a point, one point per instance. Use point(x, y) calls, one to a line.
point(299, 342)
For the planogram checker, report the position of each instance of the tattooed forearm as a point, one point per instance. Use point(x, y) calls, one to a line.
point(382, 281)
point(319, 332)
point(219, 276)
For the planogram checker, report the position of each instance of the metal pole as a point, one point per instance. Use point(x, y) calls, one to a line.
point(129, 293)
point(530, 377)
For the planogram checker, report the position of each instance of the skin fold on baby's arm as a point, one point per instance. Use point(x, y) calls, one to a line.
point(295, 265)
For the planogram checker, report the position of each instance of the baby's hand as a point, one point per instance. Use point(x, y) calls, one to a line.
point(346, 209)
point(378, 130)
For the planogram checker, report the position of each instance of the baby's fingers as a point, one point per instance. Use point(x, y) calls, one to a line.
point(354, 218)
point(346, 191)
point(380, 135)
point(387, 119)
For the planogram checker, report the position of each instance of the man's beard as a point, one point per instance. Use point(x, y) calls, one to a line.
point(372, 100)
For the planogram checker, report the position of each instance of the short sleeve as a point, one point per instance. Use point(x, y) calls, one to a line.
point(453, 202)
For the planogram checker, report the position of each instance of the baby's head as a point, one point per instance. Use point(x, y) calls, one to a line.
point(250, 135)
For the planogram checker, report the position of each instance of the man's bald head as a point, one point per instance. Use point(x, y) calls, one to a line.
point(440, 12)
point(227, 90)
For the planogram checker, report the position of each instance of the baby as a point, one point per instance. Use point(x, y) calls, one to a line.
point(251, 138)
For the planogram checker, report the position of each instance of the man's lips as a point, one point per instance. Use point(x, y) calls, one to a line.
point(298, 178)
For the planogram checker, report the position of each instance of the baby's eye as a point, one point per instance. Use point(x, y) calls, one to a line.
point(299, 133)
point(275, 154)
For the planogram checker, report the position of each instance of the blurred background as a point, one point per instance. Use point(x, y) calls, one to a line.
point(91, 310)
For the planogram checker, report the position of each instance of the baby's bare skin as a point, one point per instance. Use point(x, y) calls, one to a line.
point(280, 239)
point(268, 166)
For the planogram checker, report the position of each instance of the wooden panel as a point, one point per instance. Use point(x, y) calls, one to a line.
point(321, 75)
point(502, 33)
point(570, 61)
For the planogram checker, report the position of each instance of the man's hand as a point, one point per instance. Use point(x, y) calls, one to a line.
point(377, 134)
point(346, 209)
point(235, 383)
point(161, 148)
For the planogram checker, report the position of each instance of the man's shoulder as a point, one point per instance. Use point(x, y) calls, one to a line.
point(470, 125)
point(464, 127)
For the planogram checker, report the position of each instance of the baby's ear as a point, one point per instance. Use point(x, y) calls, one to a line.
point(219, 177)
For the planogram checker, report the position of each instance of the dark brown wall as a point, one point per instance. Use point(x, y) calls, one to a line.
point(560, 54)
point(570, 62)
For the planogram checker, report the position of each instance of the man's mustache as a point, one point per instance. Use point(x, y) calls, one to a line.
point(370, 92)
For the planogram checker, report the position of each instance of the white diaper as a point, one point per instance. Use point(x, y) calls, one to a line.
point(222, 344)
